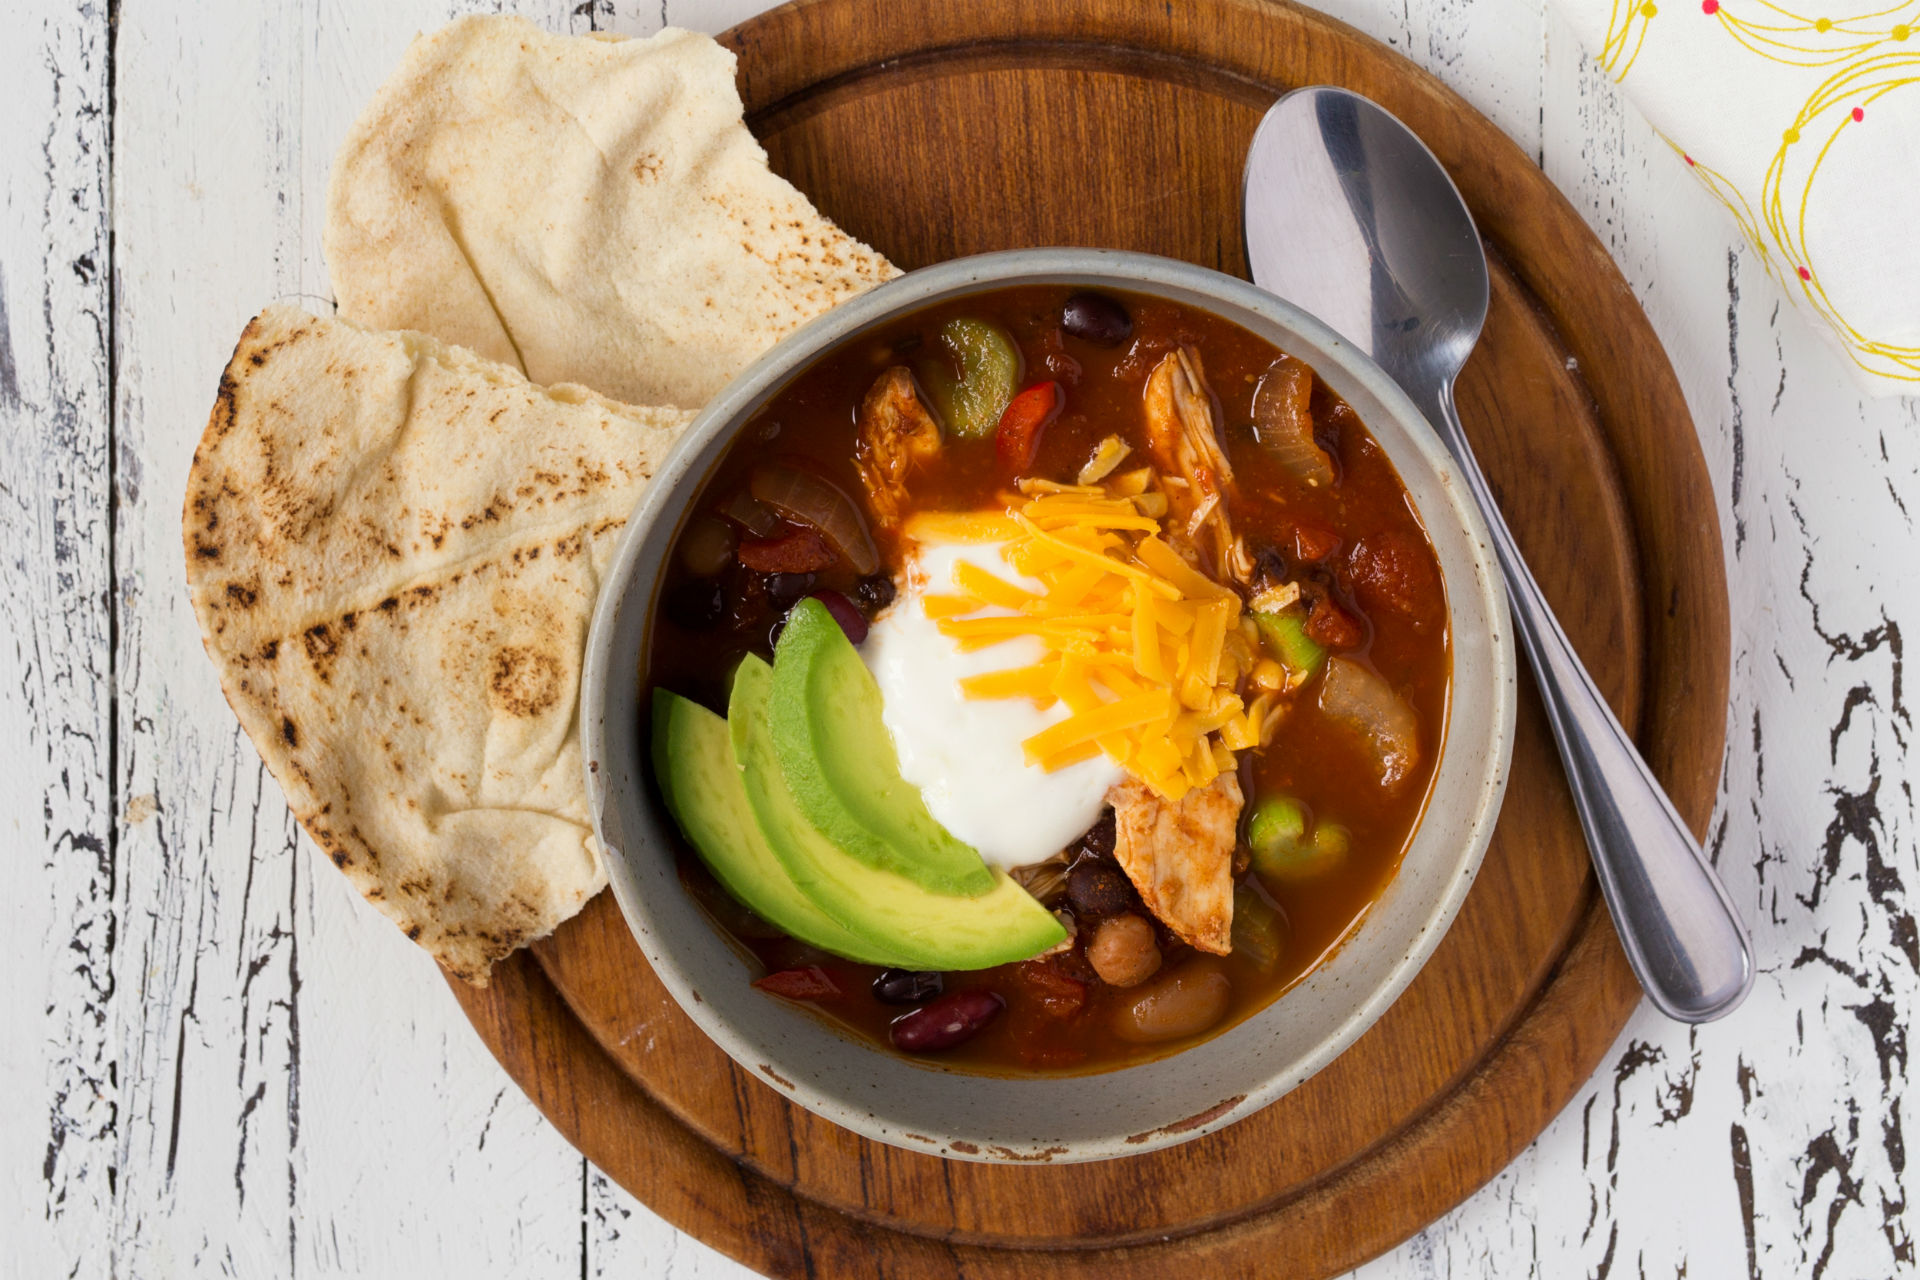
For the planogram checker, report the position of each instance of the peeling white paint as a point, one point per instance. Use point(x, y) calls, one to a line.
point(216, 1061)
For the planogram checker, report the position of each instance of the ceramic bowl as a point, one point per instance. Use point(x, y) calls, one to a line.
point(1136, 1108)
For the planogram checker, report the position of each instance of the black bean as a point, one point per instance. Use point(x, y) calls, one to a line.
point(1098, 840)
point(949, 1021)
point(907, 986)
point(696, 605)
point(1096, 318)
point(874, 592)
point(1098, 889)
point(1269, 567)
point(785, 590)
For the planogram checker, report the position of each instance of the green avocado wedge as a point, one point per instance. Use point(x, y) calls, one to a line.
point(839, 762)
point(693, 760)
point(933, 931)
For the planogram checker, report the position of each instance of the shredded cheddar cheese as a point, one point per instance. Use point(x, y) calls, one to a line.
point(1147, 653)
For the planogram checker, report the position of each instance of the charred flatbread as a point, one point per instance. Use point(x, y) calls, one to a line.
point(393, 548)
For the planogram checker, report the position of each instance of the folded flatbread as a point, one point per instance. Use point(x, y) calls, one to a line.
point(589, 210)
point(394, 547)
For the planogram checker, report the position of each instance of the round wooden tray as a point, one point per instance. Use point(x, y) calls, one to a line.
point(996, 124)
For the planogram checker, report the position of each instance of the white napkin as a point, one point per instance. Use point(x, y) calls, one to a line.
point(1806, 125)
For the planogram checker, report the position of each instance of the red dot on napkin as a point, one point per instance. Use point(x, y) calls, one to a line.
point(1805, 274)
point(1709, 6)
point(1858, 115)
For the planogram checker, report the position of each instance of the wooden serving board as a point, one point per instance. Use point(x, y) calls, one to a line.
point(932, 131)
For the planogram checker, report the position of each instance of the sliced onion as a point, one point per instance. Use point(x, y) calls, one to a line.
point(816, 502)
point(1356, 697)
point(1283, 421)
point(752, 516)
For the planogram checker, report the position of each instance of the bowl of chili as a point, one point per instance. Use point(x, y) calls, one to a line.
point(1366, 765)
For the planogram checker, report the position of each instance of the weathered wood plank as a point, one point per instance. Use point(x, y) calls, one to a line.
point(58, 931)
point(300, 1096)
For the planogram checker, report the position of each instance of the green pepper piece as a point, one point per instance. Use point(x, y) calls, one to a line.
point(971, 404)
point(1286, 638)
point(1259, 934)
point(1308, 859)
point(1332, 843)
point(1276, 832)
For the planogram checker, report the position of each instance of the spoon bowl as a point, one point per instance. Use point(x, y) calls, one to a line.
point(1365, 200)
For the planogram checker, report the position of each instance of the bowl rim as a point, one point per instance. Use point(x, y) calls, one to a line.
point(675, 483)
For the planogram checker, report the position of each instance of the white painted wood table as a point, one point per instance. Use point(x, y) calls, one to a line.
point(215, 1060)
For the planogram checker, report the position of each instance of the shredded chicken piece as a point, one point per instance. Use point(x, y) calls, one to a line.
point(1186, 447)
point(896, 434)
point(1180, 856)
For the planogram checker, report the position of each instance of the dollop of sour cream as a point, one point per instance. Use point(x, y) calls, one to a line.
point(965, 754)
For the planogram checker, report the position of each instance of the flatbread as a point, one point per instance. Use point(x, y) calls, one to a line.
point(393, 548)
point(589, 210)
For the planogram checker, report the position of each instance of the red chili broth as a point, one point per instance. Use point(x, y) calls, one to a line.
point(810, 423)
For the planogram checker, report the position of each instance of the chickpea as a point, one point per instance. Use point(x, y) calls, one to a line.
point(1184, 1002)
point(1123, 951)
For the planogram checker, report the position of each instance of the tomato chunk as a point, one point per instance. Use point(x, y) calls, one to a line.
point(1058, 994)
point(1017, 440)
point(802, 551)
point(1314, 544)
point(1392, 571)
point(1333, 626)
point(810, 983)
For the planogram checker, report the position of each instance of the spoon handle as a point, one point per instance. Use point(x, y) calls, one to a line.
point(1680, 931)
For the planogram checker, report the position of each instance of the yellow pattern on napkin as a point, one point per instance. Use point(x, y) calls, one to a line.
point(1806, 126)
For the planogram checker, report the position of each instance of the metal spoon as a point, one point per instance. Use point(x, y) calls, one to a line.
point(1351, 218)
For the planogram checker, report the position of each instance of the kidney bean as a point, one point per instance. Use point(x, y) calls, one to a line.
point(1123, 951)
point(906, 986)
point(1096, 318)
point(1098, 889)
point(851, 620)
point(1183, 1002)
point(949, 1021)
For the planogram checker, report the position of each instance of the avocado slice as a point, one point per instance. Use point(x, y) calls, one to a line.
point(693, 759)
point(932, 930)
point(839, 761)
